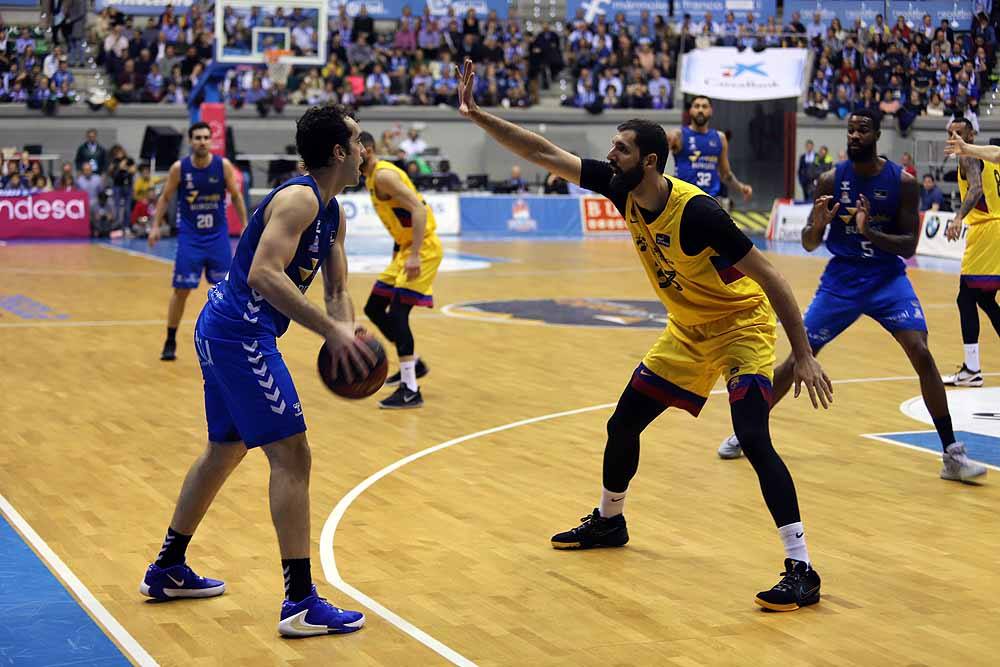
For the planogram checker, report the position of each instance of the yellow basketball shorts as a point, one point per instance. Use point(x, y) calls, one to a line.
point(685, 362)
point(981, 260)
point(417, 292)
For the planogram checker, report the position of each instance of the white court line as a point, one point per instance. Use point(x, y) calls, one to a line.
point(134, 253)
point(328, 557)
point(62, 324)
point(881, 438)
point(126, 641)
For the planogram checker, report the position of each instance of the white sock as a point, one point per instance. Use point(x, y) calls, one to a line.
point(793, 536)
point(408, 374)
point(612, 504)
point(972, 357)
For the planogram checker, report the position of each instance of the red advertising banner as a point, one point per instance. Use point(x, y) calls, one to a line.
point(600, 216)
point(214, 113)
point(45, 215)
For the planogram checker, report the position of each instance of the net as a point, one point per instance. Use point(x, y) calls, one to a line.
point(278, 67)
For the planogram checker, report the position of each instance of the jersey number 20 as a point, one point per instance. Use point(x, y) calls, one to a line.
point(205, 221)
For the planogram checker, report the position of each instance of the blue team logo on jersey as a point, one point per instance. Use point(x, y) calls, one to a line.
point(632, 314)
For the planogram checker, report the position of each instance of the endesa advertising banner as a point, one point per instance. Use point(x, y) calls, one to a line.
point(529, 216)
point(45, 215)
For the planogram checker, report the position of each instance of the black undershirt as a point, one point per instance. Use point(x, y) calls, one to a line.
point(704, 224)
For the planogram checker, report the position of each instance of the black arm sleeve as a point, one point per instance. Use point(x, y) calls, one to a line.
point(705, 225)
point(595, 176)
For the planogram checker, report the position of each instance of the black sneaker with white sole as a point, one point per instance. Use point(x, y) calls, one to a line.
point(595, 531)
point(402, 399)
point(799, 587)
point(394, 379)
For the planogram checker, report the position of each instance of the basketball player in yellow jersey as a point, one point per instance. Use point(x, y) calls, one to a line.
point(979, 185)
point(409, 279)
point(718, 290)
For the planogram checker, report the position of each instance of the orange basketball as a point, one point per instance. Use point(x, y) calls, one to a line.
point(361, 388)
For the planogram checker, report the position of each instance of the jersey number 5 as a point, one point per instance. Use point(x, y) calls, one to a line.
point(866, 249)
point(205, 221)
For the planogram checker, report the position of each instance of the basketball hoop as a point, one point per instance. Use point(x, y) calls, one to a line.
point(278, 68)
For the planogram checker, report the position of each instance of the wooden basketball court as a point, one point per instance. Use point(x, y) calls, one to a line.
point(448, 553)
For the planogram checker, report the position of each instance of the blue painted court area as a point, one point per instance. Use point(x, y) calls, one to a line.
point(982, 448)
point(42, 623)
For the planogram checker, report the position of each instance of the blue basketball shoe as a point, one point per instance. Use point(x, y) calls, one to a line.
point(315, 616)
point(178, 581)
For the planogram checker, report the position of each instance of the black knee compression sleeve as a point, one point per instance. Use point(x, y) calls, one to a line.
point(399, 316)
point(377, 310)
point(750, 422)
point(634, 412)
point(967, 313)
point(987, 300)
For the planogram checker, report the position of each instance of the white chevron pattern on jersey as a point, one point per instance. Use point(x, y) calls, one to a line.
point(252, 309)
point(259, 368)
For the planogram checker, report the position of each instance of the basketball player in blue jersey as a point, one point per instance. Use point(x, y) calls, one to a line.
point(250, 400)
point(202, 231)
point(870, 206)
point(701, 154)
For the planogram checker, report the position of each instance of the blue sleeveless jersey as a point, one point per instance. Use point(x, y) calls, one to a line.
point(698, 159)
point(236, 310)
point(201, 201)
point(856, 262)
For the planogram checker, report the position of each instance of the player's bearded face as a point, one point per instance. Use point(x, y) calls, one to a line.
point(861, 150)
point(626, 180)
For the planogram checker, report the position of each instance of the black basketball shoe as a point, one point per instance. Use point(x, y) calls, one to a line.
point(402, 399)
point(393, 380)
point(595, 531)
point(799, 587)
point(169, 351)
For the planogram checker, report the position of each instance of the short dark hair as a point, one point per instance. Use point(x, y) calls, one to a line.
point(319, 130)
point(699, 97)
point(367, 140)
point(874, 116)
point(930, 176)
point(650, 138)
point(964, 120)
point(200, 125)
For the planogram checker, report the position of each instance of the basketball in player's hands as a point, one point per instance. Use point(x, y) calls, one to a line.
point(361, 388)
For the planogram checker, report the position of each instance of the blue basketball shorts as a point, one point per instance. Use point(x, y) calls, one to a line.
point(249, 393)
point(893, 304)
point(192, 259)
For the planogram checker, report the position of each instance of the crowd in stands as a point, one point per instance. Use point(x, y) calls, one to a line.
point(903, 71)
point(122, 193)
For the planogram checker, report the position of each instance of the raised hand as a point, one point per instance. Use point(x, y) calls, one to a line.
point(822, 214)
point(863, 215)
point(955, 145)
point(467, 103)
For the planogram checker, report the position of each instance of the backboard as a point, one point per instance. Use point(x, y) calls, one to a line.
point(245, 29)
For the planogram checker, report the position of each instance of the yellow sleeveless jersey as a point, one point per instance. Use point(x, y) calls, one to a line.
point(392, 214)
point(696, 289)
point(988, 206)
